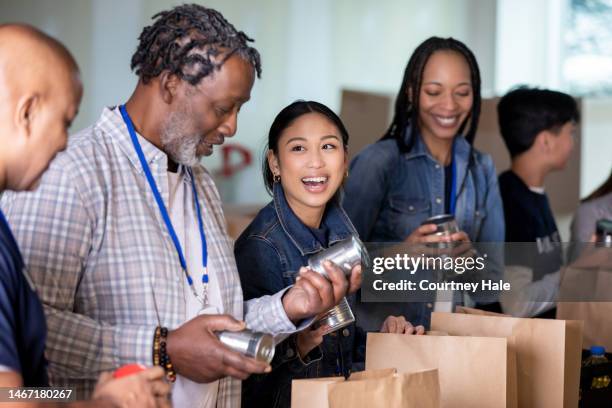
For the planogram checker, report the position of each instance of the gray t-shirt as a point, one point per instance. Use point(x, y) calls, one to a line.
point(583, 224)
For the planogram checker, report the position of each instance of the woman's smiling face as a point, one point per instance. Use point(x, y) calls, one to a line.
point(445, 97)
point(311, 161)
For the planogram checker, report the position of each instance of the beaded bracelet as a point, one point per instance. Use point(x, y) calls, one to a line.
point(160, 354)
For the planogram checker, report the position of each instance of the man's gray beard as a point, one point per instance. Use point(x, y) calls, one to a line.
point(177, 142)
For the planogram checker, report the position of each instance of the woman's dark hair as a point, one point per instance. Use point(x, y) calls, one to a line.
point(284, 119)
point(169, 44)
point(524, 112)
point(407, 112)
point(604, 189)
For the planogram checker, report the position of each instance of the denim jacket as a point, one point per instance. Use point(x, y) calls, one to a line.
point(269, 254)
point(389, 193)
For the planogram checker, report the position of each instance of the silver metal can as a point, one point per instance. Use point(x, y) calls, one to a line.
point(346, 254)
point(446, 225)
point(336, 318)
point(259, 346)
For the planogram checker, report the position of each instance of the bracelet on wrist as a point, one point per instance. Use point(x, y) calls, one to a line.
point(160, 353)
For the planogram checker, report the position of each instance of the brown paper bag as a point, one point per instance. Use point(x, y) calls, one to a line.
point(589, 278)
point(311, 392)
point(372, 374)
point(547, 353)
point(597, 318)
point(469, 310)
point(473, 371)
point(419, 389)
point(371, 388)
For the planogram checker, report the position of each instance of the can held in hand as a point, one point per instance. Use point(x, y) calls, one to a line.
point(336, 318)
point(259, 346)
point(446, 226)
point(346, 254)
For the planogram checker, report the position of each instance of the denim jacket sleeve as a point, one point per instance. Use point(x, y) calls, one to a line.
point(260, 269)
point(366, 186)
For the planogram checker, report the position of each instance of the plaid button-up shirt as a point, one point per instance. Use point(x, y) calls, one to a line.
point(96, 248)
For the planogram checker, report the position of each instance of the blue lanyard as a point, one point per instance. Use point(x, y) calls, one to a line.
point(164, 212)
point(453, 193)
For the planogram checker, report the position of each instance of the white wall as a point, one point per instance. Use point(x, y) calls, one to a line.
point(596, 144)
point(67, 20)
point(528, 46)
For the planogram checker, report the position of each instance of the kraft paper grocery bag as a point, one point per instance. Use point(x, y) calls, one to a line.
point(419, 389)
point(311, 392)
point(547, 353)
point(589, 278)
point(597, 318)
point(385, 388)
point(473, 371)
point(372, 374)
point(469, 310)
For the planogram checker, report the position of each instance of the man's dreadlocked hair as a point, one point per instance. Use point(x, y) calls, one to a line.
point(406, 112)
point(184, 41)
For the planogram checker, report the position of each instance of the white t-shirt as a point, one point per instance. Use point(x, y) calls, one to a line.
point(186, 393)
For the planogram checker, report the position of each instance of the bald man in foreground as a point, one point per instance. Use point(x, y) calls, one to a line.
point(40, 92)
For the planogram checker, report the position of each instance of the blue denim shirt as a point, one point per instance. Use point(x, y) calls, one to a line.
point(389, 194)
point(269, 254)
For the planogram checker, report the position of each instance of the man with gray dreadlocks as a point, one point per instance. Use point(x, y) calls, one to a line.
point(130, 253)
